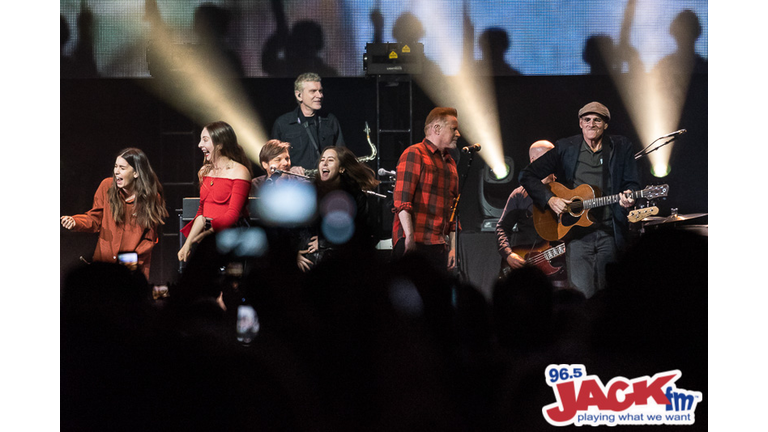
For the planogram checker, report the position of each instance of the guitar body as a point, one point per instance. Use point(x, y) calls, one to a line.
point(539, 256)
point(553, 227)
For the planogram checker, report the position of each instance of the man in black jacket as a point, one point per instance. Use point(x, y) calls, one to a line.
point(579, 160)
point(304, 128)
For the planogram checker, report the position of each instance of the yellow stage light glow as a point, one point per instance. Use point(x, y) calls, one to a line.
point(470, 91)
point(654, 103)
point(200, 84)
point(502, 173)
point(654, 99)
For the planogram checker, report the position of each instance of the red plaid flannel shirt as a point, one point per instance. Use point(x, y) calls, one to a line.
point(426, 187)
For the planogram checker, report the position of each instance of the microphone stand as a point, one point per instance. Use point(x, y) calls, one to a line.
point(455, 214)
point(645, 151)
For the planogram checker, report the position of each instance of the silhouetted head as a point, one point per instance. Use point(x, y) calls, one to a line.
point(65, 33)
point(211, 21)
point(494, 42)
point(685, 28)
point(104, 287)
point(407, 28)
point(598, 53)
point(306, 36)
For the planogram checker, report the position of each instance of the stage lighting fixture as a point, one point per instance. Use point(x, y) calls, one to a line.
point(500, 175)
point(660, 169)
point(393, 58)
point(494, 190)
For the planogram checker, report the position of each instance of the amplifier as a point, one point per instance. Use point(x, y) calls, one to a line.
point(393, 58)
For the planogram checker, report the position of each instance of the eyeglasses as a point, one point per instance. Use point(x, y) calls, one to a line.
point(595, 120)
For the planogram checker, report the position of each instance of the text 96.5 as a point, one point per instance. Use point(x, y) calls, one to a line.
point(560, 373)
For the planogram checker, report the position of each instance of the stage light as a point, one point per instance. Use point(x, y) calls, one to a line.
point(654, 98)
point(503, 173)
point(654, 103)
point(198, 82)
point(494, 189)
point(470, 91)
point(660, 170)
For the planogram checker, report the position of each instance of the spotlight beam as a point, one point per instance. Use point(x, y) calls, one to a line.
point(654, 99)
point(471, 91)
point(201, 84)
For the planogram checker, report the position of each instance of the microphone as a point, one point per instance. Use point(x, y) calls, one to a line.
point(374, 194)
point(471, 149)
point(277, 171)
point(383, 172)
point(675, 133)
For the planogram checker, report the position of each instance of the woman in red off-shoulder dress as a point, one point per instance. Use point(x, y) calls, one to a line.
point(225, 182)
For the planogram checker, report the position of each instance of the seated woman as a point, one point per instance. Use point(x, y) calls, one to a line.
point(127, 210)
point(341, 180)
point(275, 159)
point(225, 181)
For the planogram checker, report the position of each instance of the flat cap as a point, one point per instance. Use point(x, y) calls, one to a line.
point(595, 108)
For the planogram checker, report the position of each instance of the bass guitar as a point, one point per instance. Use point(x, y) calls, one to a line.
point(540, 256)
point(551, 226)
point(640, 214)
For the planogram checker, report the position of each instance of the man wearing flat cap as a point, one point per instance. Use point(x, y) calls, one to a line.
point(605, 162)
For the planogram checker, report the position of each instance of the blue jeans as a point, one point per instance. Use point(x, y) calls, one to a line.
point(586, 258)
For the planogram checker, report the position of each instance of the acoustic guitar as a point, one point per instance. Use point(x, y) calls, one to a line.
point(551, 226)
point(540, 256)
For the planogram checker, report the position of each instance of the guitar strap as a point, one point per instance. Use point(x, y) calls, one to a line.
point(606, 186)
point(607, 168)
point(311, 135)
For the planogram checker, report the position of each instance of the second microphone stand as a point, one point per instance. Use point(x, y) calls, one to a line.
point(455, 213)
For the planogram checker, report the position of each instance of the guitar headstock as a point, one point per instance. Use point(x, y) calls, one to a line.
point(640, 214)
point(651, 192)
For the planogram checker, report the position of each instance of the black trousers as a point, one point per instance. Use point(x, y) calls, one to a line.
point(437, 254)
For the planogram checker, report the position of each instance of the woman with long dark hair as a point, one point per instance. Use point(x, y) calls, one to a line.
point(127, 210)
point(225, 181)
point(342, 184)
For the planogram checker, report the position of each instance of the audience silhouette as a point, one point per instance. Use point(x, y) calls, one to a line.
point(359, 343)
point(82, 62)
point(291, 53)
point(494, 43)
point(686, 30)
point(297, 48)
point(409, 30)
point(211, 25)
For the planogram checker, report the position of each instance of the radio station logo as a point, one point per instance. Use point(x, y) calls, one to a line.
point(583, 399)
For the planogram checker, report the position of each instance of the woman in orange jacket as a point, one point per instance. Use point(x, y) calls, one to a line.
point(127, 210)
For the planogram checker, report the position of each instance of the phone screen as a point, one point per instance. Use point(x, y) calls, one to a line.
point(247, 323)
point(128, 259)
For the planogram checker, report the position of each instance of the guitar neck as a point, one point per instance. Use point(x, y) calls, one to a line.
point(608, 200)
point(549, 254)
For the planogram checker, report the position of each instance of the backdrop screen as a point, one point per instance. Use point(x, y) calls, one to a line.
point(108, 38)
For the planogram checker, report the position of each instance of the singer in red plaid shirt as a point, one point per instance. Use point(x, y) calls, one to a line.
point(426, 188)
